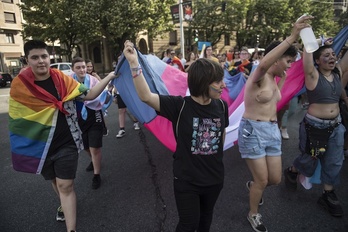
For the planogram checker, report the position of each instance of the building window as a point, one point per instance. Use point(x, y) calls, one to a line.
point(227, 39)
point(10, 38)
point(8, 1)
point(10, 17)
point(97, 55)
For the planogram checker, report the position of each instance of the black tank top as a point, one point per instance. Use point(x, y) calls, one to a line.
point(325, 91)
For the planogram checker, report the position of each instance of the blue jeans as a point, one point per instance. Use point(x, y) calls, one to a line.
point(195, 205)
point(332, 160)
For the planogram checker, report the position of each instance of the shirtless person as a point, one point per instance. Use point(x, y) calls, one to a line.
point(259, 137)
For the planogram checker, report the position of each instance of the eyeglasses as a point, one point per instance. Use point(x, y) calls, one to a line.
point(244, 53)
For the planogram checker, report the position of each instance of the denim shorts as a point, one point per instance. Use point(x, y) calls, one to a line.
point(258, 139)
point(332, 160)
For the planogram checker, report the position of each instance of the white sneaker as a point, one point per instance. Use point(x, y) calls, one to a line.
point(256, 222)
point(120, 133)
point(285, 134)
point(136, 126)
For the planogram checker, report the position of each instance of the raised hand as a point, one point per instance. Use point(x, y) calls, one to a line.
point(130, 53)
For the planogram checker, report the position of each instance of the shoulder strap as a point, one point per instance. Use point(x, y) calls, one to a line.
point(223, 105)
point(177, 122)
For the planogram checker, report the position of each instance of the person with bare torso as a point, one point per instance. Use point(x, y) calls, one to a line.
point(259, 137)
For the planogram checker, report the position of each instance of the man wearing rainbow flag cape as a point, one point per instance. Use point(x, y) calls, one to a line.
point(44, 133)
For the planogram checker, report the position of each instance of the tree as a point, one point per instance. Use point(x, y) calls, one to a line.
point(74, 22)
point(213, 23)
point(126, 19)
point(63, 20)
point(343, 19)
point(270, 19)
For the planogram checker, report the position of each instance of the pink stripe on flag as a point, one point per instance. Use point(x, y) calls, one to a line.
point(293, 83)
point(175, 81)
point(163, 130)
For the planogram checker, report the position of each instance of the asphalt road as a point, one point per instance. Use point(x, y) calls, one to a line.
point(137, 193)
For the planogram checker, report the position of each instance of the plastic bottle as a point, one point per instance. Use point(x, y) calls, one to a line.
point(308, 38)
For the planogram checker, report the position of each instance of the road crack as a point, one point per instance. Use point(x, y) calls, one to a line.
point(160, 207)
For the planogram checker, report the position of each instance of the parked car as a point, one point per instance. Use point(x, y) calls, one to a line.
point(5, 79)
point(64, 67)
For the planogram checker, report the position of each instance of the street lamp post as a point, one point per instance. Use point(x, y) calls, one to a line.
point(182, 37)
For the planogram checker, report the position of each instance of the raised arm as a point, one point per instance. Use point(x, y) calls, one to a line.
point(343, 64)
point(309, 69)
point(272, 56)
point(97, 89)
point(96, 76)
point(139, 81)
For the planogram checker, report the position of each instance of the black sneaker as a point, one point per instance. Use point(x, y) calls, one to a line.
point(90, 167)
point(105, 131)
point(329, 201)
point(290, 179)
point(248, 184)
point(96, 181)
point(256, 223)
point(60, 215)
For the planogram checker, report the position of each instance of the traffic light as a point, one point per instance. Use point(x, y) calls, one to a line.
point(196, 35)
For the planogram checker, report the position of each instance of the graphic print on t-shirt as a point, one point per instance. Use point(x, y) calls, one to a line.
point(98, 116)
point(205, 136)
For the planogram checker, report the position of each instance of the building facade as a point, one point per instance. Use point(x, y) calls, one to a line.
point(339, 7)
point(11, 40)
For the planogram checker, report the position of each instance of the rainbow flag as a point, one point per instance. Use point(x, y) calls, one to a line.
point(33, 115)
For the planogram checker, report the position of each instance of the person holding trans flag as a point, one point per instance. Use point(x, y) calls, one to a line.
point(199, 123)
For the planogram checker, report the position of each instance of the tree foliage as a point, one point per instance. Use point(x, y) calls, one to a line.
point(66, 21)
point(75, 21)
point(270, 19)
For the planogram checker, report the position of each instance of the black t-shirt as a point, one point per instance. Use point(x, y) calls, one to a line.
point(62, 135)
point(199, 151)
point(94, 117)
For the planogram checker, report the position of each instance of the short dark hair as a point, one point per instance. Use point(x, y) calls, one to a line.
point(77, 59)
point(317, 53)
point(33, 44)
point(291, 51)
point(201, 74)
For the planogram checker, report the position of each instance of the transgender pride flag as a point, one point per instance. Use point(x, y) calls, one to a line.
point(164, 79)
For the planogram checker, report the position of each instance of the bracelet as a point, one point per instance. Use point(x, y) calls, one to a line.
point(139, 71)
point(136, 69)
point(287, 42)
